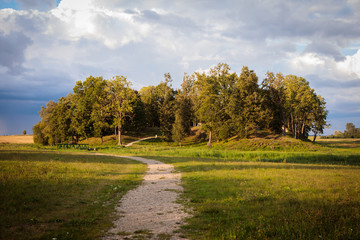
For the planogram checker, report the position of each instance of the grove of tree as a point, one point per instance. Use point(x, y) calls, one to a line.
point(224, 103)
point(350, 132)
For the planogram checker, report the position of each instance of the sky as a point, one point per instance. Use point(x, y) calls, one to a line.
point(48, 45)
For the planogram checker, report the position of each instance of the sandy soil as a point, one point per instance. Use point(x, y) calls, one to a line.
point(17, 139)
point(150, 211)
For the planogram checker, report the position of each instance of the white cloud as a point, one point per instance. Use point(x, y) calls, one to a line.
point(351, 65)
point(114, 28)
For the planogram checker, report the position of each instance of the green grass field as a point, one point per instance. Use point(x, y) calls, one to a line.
point(46, 195)
point(280, 190)
point(257, 200)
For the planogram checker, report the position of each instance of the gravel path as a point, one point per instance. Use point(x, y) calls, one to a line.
point(130, 144)
point(150, 211)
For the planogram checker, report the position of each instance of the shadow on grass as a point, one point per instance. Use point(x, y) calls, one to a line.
point(67, 209)
point(45, 195)
point(61, 157)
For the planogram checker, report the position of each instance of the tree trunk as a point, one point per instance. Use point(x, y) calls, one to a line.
point(314, 137)
point(303, 130)
point(119, 133)
point(210, 138)
point(102, 141)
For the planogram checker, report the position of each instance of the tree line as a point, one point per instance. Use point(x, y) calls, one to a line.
point(350, 132)
point(225, 104)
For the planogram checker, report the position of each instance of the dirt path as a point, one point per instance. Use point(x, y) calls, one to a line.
point(130, 144)
point(150, 211)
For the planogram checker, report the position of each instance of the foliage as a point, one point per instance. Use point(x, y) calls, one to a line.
point(165, 97)
point(350, 132)
point(213, 91)
point(121, 98)
point(149, 99)
point(184, 113)
point(225, 104)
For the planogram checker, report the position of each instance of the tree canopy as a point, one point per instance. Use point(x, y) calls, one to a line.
point(224, 103)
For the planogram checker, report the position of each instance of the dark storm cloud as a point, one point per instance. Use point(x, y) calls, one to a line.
point(326, 49)
point(12, 47)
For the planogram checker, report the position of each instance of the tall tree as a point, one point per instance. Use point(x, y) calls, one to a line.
point(85, 96)
point(39, 135)
point(350, 130)
point(319, 117)
point(211, 97)
point(47, 126)
point(151, 106)
point(138, 120)
point(101, 115)
point(165, 95)
point(184, 114)
point(273, 89)
point(246, 107)
point(62, 117)
point(120, 97)
point(300, 100)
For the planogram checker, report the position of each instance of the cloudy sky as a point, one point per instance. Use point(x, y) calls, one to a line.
point(48, 45)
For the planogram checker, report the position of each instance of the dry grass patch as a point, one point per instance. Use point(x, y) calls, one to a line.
point(17, 139)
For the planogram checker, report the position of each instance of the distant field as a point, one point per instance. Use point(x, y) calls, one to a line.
point(17, 139)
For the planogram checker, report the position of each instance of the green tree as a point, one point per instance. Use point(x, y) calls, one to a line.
point(151, 106)
point(350, 130)
point(273, 89)
point(184, 110)
point(101, 116)
point(62, 120)
point(300, 104)
point(24, 132)
point(39, 135)
point(247, 104)
point(319, 117)
point(120, 97)
point(213, 91)
point(178, 130)
point(85, 96)
point(165, 96)
point(138, 120)
point(47, 126)
point(189, 93)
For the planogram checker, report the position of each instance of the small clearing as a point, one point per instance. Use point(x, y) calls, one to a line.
point(151, 211)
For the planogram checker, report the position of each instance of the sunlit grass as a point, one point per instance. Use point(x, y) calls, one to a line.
point(300, 191)
point(256, 200)
point(46, 195)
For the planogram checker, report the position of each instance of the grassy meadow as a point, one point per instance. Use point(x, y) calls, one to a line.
point(277, 188)
point(264, 200)
point(266, 188)
point(46, 195)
